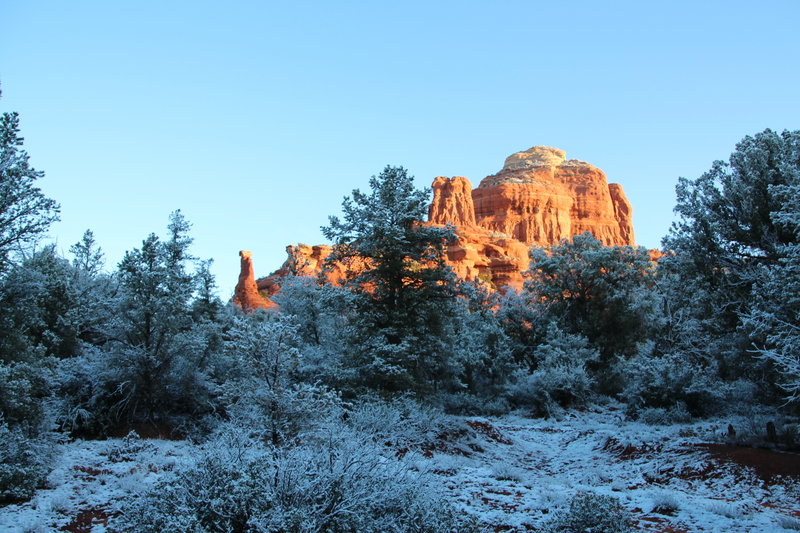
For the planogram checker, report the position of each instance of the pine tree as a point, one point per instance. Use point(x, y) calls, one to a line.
point(402, 282)
point(25, 212)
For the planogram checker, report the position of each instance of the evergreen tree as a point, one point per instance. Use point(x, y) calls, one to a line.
point(154, 363)
point(728, 237)
point(600, 292)
point(775, 313)
point(403, 285)
point(25, 212)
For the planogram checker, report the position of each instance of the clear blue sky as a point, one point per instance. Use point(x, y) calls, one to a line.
point(256, 118)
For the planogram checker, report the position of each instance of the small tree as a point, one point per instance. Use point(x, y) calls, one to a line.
point(153, 364)
point(402, 282)
point(597, 291)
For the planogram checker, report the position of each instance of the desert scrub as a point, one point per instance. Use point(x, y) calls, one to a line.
point(340, 482)
point(591, 513)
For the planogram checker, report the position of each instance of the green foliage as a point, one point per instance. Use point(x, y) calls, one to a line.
point(731, 238)
point(560, 378)
point(774, 318)
point(158, 353)
point(600, 292)
point(336, 481)
point(24, 462)
point(404, 288)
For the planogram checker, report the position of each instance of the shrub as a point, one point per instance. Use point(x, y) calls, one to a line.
point(670, 382)
point(339, 482)
point(560, 378)
point(591, 513)
point(24, 462)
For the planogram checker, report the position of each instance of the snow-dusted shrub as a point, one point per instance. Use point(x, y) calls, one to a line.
point(466, 404)
point(727, 509)
point(789, 522)
point(24, 462)
point(23, 388)
point(560, 378)
point(262, 389)
point(403, 423)
point(665, 503)
point(340, 482)
point(666, 381)
point(591, 513)
point(655, 416)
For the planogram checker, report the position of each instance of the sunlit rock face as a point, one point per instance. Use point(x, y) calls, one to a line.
point(246, 294)
point(539, 197)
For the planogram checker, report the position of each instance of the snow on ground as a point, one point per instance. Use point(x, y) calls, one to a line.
point(657, 472)
point(91, 482)
point(514, 477)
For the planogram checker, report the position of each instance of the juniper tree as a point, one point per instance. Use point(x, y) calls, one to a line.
point(729, 239)
point(402, 282)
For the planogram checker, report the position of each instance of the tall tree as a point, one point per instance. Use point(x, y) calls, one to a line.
point(727, 237)
point(401, 279)
point(25, 212)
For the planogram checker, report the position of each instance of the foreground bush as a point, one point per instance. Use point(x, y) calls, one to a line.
point(591, 513)
point(24, 462)
point(337, 482)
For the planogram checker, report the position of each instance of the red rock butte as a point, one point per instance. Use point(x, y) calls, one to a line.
point(538, 198)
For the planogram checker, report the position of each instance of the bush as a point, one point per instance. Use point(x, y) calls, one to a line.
point(560, 378)
point(404, 424)
point(670, 382)
point(591, 513)
point(339, 482)
point(24, 462)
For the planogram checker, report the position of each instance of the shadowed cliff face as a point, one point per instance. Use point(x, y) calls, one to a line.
point(538, 198)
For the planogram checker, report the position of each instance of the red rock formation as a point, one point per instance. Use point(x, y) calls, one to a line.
point(246, 294)
point(452, 202)
point(538, 198)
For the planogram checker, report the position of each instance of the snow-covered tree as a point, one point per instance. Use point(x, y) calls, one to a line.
point(775, 313)
point(154, 361)
point(600, 292)
point(25, 212)
point(731, 237)
point(403, 285)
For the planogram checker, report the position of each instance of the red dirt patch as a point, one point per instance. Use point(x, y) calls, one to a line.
point(91, 470)
point(86, 519)
point(767, 464)
point(629, 451)
point(488, 430)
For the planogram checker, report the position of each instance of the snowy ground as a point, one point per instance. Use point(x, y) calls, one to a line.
point(514, 477)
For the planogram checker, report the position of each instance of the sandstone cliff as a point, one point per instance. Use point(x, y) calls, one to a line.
point(538, 198)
